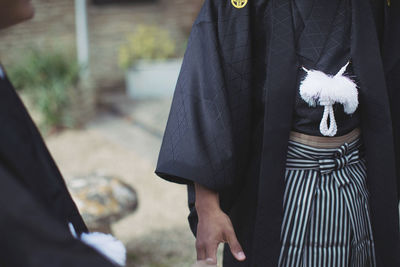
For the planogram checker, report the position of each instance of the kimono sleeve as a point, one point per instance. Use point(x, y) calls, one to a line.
point(198, 143)
point(32, 237)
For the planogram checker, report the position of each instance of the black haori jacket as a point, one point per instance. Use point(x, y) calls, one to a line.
point(35, 205)
point(232, 113)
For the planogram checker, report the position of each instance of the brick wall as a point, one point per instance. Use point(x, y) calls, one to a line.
point(54, 25)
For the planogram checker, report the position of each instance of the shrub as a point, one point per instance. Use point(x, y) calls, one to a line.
point(47, 77)
point(147, 42)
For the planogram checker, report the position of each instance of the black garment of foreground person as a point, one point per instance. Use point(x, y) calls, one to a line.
point(35, 205)
point(232, 113)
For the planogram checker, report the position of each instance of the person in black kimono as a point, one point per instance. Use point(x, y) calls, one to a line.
point(39, 223)
point(285, 127)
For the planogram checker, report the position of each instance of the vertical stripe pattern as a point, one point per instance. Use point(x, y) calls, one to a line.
point(326, 210)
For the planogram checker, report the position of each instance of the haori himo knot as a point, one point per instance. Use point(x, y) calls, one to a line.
point(319, 88)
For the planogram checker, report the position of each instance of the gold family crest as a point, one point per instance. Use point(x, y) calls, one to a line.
point(239, 3)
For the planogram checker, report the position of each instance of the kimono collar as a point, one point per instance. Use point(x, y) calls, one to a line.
point(323, 38)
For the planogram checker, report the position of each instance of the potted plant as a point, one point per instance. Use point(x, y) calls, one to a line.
point(150, 59)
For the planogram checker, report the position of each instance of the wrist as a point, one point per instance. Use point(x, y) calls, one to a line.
point(207, 201)
point(207, 206)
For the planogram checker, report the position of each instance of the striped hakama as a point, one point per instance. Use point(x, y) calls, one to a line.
point(326, 210)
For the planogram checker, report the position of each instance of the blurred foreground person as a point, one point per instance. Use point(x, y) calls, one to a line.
point(39, 222)
point(285, 125)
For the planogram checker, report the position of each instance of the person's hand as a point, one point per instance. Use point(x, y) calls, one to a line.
point(214, 227)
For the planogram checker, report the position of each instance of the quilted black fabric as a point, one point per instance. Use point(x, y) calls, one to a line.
point(211, 110)
point(317, 27)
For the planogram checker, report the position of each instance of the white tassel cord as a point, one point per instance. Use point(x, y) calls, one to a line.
point(326, 90)
point(105, 244)
point(328, 114)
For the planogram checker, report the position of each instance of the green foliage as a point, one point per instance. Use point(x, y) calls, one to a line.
point(147, 42)
point(47, 77)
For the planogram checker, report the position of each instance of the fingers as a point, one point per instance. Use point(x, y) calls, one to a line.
point(211, 253)
point(214, 229)
point(201, 250)
point(234, 245)
point(207, 252)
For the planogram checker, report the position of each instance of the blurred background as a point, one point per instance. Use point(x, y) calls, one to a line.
point(97, 77)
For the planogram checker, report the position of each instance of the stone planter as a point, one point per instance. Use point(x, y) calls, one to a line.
point(152, 79)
